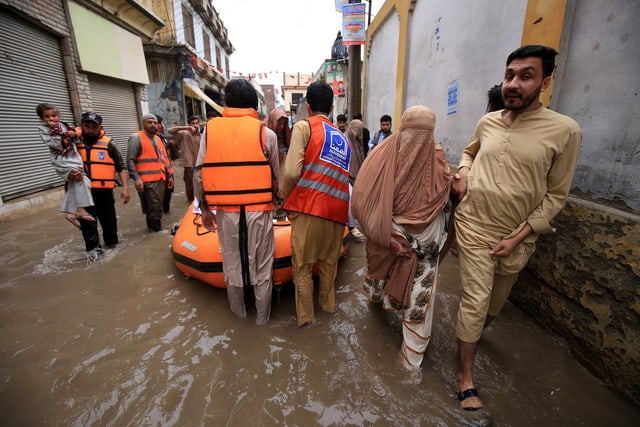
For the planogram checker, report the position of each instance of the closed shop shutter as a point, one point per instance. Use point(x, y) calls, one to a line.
point(32, 73)
point(115, 101)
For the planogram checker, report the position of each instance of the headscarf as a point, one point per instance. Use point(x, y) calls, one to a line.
point(405, 180)
point(272, 123)
point(354, 134)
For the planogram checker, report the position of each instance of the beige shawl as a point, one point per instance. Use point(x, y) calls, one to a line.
point(354, 134)
point(405, 180)
point(271, 121)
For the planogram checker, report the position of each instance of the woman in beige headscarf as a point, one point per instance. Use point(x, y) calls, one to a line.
point(278, 122)
point(401, 199)
point(354, 134)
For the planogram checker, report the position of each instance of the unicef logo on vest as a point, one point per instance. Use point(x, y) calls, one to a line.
point(335, 149)
point(100, 156)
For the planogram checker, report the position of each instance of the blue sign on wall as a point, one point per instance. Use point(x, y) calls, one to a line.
point(452, 98)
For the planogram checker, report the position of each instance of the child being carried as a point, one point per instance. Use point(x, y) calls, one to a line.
point(68, 163)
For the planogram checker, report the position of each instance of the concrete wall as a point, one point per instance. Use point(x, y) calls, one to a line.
point(584, 283)
point(443, 47)
point(381, 64)
point(584, 280)
point(600, 89)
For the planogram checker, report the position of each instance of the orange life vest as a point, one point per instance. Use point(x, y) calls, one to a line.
point(323, 187)
point(236, 171)
point(100, 167)
point(152, 165)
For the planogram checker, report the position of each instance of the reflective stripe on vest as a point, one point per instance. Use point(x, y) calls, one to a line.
point(150, 164)
point(235, 171)
point(321, 186)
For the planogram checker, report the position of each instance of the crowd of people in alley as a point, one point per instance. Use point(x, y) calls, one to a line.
point(393, 189)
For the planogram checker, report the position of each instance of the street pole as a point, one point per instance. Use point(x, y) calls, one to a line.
point(354, 95)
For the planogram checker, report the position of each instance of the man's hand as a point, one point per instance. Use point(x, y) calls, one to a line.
point(459, 184)
point(139, 185)
point(506, 246)
point(209, 220)
point(170, 182)
point(124, 196)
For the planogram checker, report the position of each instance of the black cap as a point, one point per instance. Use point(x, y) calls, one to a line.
point(91, 117)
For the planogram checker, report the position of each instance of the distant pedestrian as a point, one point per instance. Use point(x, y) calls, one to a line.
point(514, 178)
point(149, 167)
point(102, 162)
point(341, 123)
point(187, 138)
point(383, 133)
point(172, 152)
point(67, 162)
point(316, 190)
point(354, 136)
point(235, 181)
point(401, 199)
point(278, 122)
point(366, 136)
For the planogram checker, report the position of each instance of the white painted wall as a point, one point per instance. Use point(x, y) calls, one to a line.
point(600, 89)
point(381, 74)
point(459, 40)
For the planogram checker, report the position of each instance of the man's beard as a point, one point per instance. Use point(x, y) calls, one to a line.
point(90, 139)
point(524, 102)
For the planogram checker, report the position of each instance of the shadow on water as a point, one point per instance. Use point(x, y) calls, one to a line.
point(128, 340)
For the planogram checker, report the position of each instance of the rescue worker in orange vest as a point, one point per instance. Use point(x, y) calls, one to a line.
point(315, 185)
point(235, 181)
point(149, 166)
point(102, 161)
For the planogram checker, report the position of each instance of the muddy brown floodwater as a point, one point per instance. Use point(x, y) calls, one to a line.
point(128, 341)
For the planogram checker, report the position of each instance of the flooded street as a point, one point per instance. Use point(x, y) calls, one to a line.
point(127, 340)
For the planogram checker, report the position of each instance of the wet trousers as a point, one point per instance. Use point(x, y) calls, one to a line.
point(417, 319)
point(104, 210)
point(314, 240)
point(188, 183)
point(486, 282)
point(247, 245)
point(151, 202)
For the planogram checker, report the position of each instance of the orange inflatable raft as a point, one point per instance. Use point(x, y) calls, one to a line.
point(196, 251)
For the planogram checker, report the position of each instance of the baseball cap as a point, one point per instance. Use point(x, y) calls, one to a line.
point(91, 117)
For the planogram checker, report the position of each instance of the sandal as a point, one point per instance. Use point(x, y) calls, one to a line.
point(73, 220)
point(463, 395)
point(356, 233)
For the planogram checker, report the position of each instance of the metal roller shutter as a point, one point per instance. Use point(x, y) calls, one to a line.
point(115, 101)
point(32, 73)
